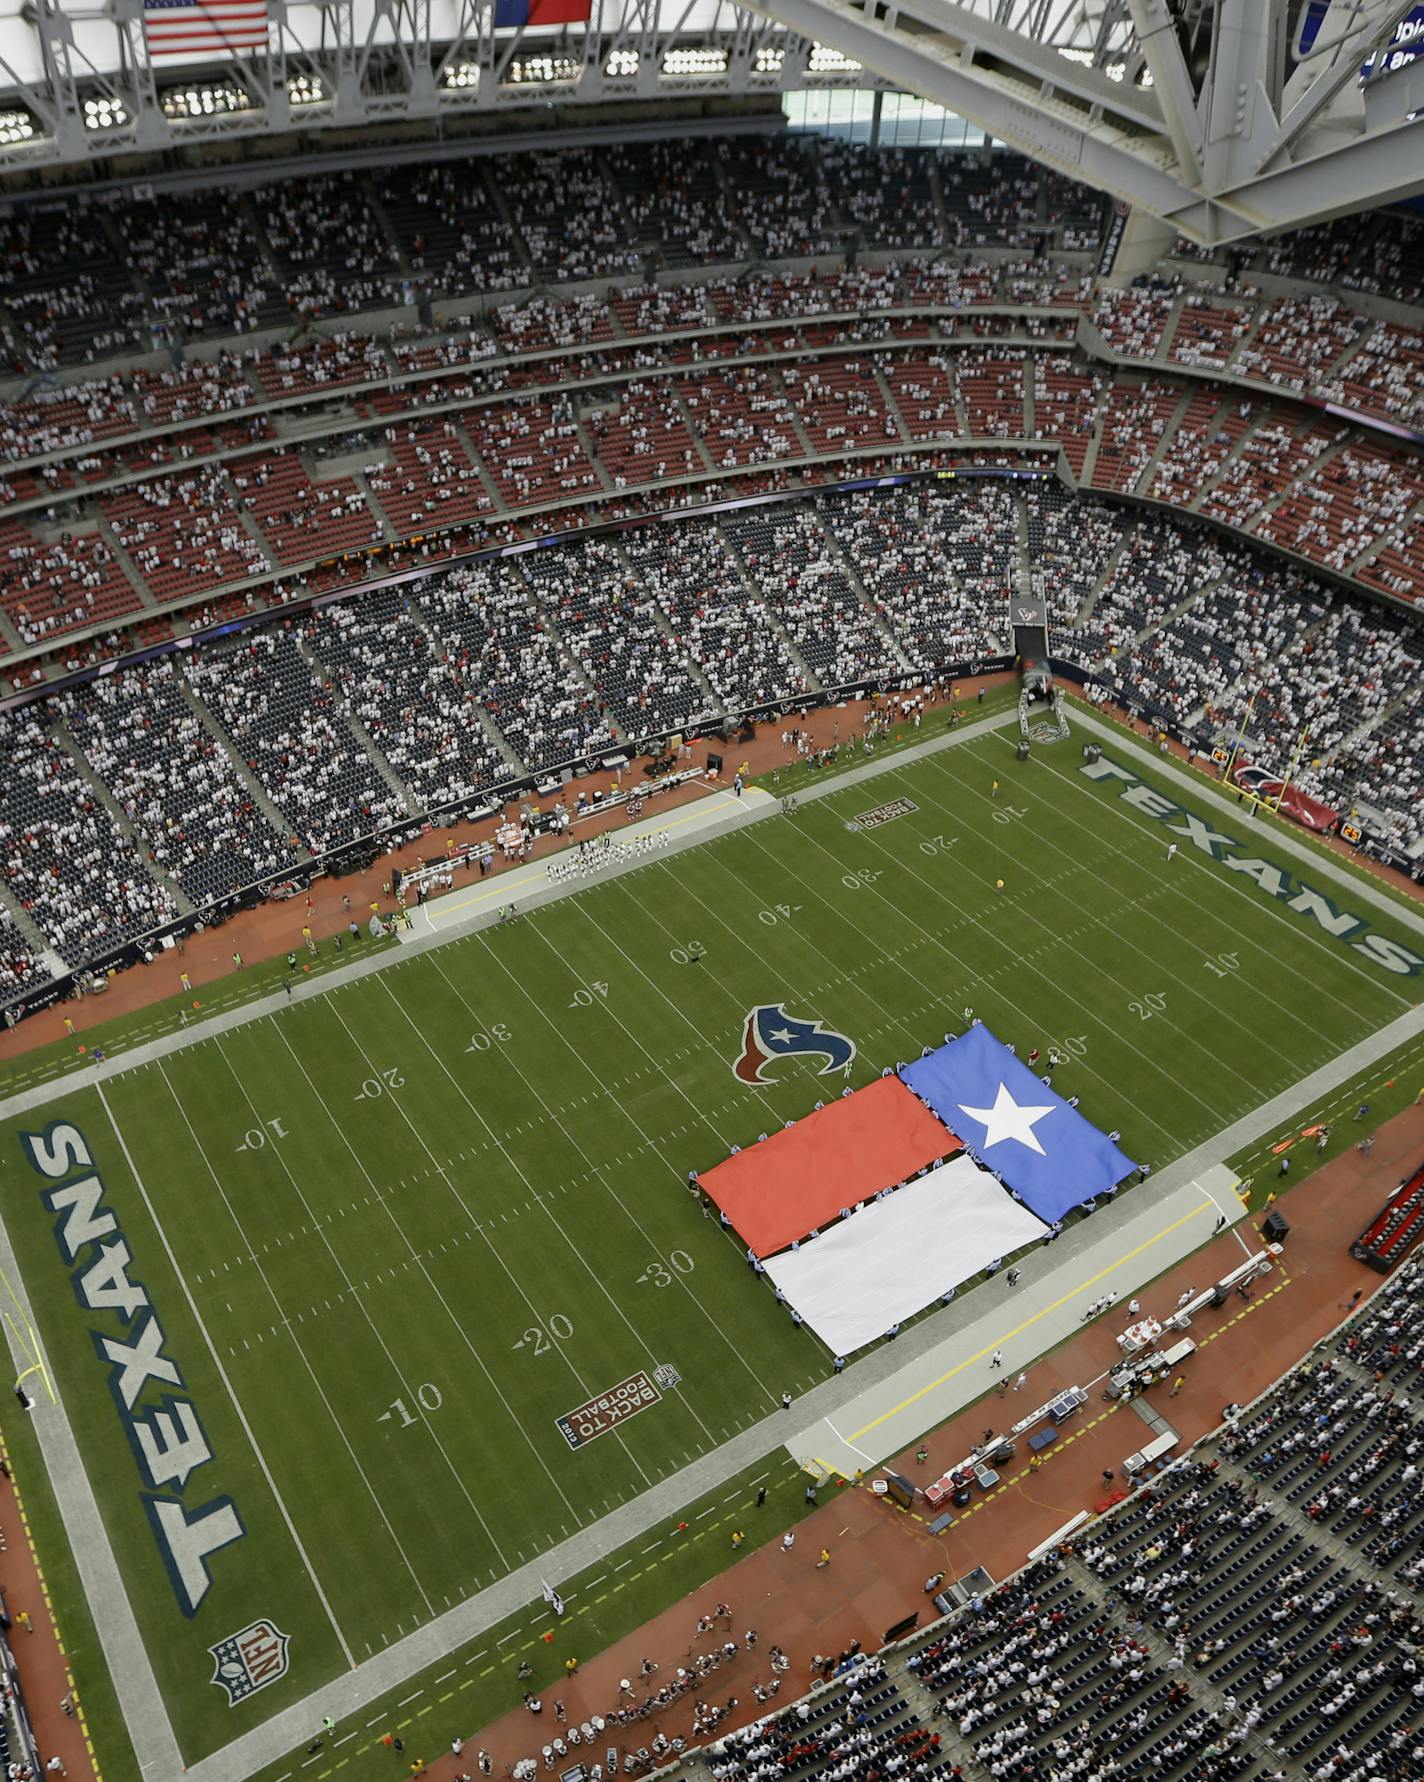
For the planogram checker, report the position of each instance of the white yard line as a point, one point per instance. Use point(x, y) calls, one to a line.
point(1162, 880)
point(539, 1317)
point(541, 1201)
point(969, 973)
point(228, 1386)
point(1233, 885)
point(600, 1172)
point(284, 1321)
point(1200, 790)
point(838, 975)
point(1093, 972)
point(415, 1257)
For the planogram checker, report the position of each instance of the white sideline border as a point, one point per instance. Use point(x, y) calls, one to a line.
point(141, 1701)
point(1321, 861)
point(145, 1712)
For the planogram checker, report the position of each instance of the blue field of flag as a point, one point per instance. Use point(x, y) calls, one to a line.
point(1044, 1150)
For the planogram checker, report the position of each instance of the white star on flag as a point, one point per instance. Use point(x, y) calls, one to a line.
point(1006, 1119)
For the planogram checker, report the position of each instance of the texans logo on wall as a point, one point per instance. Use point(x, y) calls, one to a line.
point(1309, 812)
point(770, 1033)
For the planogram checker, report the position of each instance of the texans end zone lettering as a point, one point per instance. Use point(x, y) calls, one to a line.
point(1271, 880)
point(159, 1419)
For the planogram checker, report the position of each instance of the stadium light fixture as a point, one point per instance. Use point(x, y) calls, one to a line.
point(825, 60)
point(703, 64)
point(204, 102)
point(542, 71)
point(15, 126)
point(622, 64)
point(768, 60)
point(104, 114)
point(305, 89)
point(1086, 59)
point(462, 74)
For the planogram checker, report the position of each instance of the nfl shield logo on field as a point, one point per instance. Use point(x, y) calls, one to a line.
point(248, 1661)
point(666, 1376)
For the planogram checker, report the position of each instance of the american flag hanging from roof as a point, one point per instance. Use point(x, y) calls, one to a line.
point(204, 27)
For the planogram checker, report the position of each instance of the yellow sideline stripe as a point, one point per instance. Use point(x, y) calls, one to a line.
point(1028, 1323)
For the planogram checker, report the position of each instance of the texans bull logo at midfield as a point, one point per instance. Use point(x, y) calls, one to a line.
point(771, 1033)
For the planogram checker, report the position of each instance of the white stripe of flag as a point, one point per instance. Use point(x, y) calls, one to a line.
point(194, 27)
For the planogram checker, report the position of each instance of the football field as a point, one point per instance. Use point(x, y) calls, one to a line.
point(362, 1304)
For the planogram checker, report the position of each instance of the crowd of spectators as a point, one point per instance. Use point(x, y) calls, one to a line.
point(486, 623)
point(414, 702)
point(1247, 1609)
point(805, 580)
point(298, 737)
point(727, 627)
point(291, 730)
point(1309, 483)
point(68, 865)
point(166, 485)
point(173, 780)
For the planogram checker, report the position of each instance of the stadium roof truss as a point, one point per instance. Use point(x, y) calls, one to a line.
point(1226, 118)
point(79, 84)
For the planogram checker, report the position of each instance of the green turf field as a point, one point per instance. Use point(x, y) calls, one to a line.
point(389, 1235)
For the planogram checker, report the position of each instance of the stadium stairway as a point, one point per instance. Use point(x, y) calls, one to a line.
point(1197, 594)
point(572, 666)
point(1390, 537)
point(1025, 550)
point(66, 740)
point(208, 718)
point(1169, 434)
point(1094, 594)
point(892, 407)
point(852, 575)
point(20, 916)
point(480, 714)
point(756, 595)
point(341, 709)
point(590, 450)
point(711, 703)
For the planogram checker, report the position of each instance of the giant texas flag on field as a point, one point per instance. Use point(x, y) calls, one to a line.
point(1050, 1156)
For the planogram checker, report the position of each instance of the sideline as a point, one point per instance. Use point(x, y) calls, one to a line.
point(278, 1736)
point(140, 1700)
point(1320, 862)
point(528, 886)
